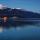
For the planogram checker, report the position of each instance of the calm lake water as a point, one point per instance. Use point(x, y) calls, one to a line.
point(27, 32)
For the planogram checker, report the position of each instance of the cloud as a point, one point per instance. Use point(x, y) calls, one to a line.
point(2, 6)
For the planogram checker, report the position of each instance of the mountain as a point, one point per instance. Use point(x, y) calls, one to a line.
point(18, 12)
point(21, 14)
point(26, 14)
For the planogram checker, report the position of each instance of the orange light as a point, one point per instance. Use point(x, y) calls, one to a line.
point(5, 19)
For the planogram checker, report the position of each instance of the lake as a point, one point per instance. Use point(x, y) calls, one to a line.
point(28, 32)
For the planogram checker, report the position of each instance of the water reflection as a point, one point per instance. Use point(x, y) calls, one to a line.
point(11, 24)
point(18, 28)
point(21, 32)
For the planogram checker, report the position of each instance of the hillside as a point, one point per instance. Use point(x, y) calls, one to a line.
point(21, 14)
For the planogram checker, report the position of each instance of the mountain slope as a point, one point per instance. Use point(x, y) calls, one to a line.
point(21, 14)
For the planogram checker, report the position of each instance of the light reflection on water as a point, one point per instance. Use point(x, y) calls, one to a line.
point(25, 27)
point(27, 31)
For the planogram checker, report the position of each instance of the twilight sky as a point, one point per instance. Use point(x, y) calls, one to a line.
point(31, 5)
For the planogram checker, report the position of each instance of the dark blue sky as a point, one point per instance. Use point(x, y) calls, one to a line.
point(31, 5)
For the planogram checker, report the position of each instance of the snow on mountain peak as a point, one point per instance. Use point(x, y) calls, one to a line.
point(18, 8)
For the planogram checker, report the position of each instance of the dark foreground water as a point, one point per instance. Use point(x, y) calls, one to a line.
point(29, 32)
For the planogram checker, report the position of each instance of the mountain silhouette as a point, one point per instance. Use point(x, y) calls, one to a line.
point(21, 14)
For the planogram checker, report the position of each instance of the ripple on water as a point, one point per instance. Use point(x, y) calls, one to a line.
point(19, 28)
